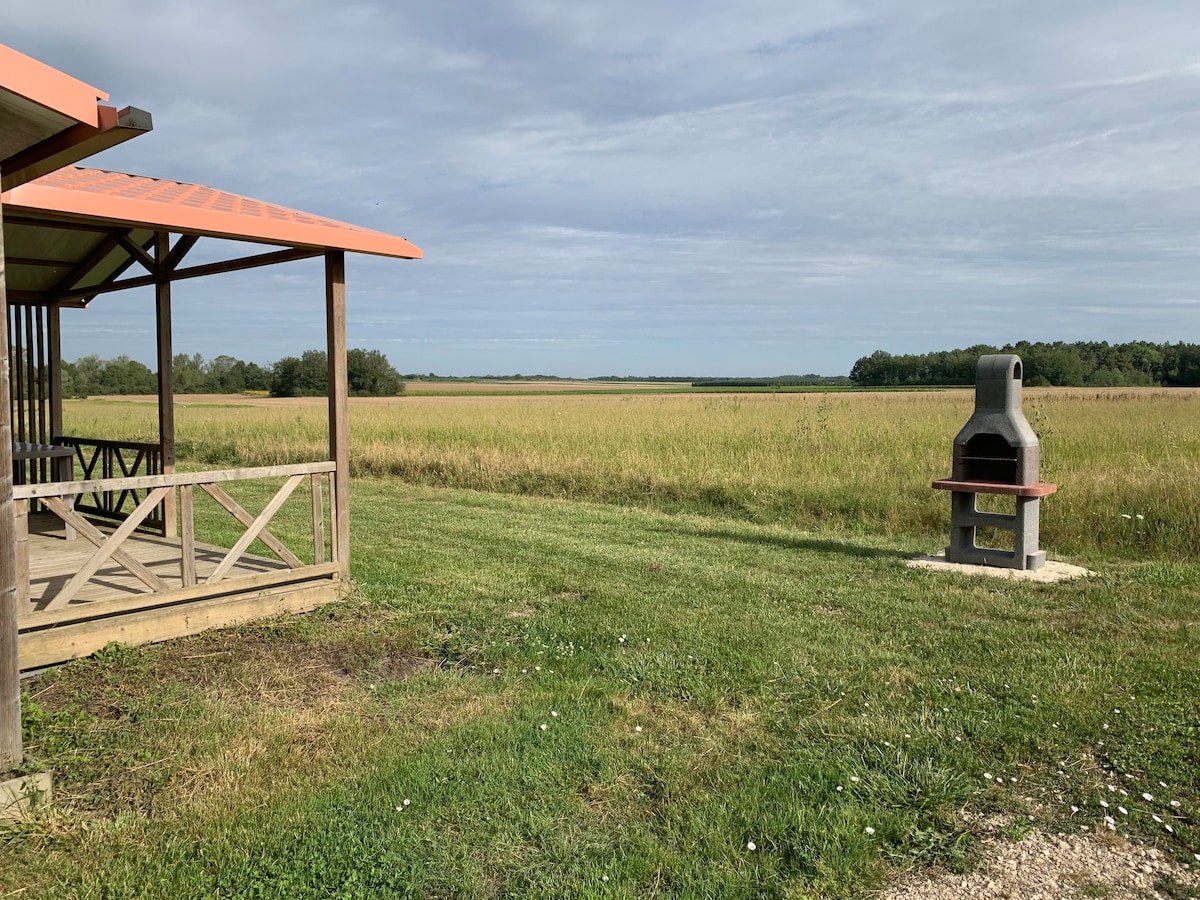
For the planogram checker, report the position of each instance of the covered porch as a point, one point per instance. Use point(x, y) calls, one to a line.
point(113, 543)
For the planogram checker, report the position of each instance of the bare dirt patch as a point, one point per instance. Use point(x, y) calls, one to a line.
point(1046, 866)
point(1052, 571)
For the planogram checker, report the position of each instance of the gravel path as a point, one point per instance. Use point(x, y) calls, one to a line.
point(1050, 867)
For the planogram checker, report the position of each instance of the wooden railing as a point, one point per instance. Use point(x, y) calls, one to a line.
point(152, 490)
point(104, 460)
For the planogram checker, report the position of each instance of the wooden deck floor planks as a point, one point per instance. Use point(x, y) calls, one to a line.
point(53, 560)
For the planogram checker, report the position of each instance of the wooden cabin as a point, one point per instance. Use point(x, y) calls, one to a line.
point(110, 551)
point(106, 545)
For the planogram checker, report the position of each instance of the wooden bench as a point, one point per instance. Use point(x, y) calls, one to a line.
point(965, 518)
point(62, 459)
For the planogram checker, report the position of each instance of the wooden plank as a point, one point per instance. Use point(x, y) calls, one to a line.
point(339, 406)
point(110, 546)
point(38, 491)
point(318, 520)
point(254, 528)
point(21, 541)
point(101, 609)
point(11, 753)
point(1041, 489)
point(235, 509)
point(187, 516)
point(166, 378)
point(334, 550)
point(52, 562)
point(55, 645)
point(98, 538)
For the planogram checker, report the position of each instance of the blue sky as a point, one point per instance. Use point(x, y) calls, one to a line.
point(667, 188)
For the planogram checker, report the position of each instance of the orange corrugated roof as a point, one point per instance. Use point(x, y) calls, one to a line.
point(115, 197)
point(46, 86)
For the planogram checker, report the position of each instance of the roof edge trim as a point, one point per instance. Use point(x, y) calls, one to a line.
point(48, 87)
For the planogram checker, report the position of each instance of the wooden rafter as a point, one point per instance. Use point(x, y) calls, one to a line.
point(112, 276)
point(216, 268)
point(80, 270)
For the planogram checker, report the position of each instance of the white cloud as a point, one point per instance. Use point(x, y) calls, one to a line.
point(633, 179)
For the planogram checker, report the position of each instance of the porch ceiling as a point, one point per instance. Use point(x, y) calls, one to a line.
point(77, 229)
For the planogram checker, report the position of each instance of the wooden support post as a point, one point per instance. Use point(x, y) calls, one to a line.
point(187, 524)
point(166, 379)
point(53, 324)
point(339, 410)
point(318, 519)
point(11, 753)
point(21, 541)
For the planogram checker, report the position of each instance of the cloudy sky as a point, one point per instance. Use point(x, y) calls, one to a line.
point(666, 188)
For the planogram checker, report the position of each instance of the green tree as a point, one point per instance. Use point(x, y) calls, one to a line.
point(371, 375)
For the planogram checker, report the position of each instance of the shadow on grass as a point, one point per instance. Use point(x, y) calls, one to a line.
point(817, 545)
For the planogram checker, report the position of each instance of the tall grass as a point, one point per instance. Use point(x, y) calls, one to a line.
point(1127, 462)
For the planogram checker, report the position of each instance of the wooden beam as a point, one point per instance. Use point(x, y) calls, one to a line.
point(41, 263)
point(41, 298)
point(116, 273)
point(107, 244)
point(252, 532)
point(21, 534)
point(108, 548)
point(166, 370)
point(187, 546)
point(185, 243)
point(53, 645)
point(318, 520)
point(59, 224)
point(339, 407)
point(132, 248)
point(235, 509)
point(141, 482)
point(217, 268)
point(11, 753)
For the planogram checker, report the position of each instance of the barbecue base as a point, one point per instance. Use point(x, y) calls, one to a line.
point(965, 518)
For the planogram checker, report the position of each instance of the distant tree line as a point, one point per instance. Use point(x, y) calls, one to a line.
point(368, 372)
point(776, 381)
point(1084, 363)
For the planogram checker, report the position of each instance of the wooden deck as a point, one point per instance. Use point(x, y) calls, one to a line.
point(77, 595)
point(114, 605)
point(53, 560)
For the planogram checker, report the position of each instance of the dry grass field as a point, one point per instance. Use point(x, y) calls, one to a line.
point(1127, 461)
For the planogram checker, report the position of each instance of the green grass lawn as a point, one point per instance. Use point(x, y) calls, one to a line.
point(540, 698)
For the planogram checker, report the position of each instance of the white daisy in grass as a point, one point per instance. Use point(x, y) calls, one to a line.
point(870, 830)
